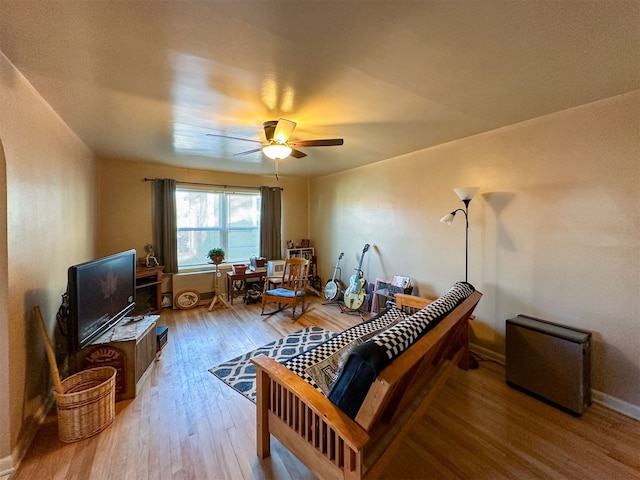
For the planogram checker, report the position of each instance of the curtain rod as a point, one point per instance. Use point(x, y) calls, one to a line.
point(208, 184)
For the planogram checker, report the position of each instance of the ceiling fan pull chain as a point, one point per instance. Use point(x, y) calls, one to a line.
point(277, 163)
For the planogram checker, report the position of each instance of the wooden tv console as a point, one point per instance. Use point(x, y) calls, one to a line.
point(131, 348)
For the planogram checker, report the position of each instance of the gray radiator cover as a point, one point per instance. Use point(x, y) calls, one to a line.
point(549, 360)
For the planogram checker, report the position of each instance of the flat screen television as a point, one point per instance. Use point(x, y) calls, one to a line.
point(100, 293)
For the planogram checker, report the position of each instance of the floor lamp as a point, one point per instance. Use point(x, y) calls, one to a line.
point(465, 194)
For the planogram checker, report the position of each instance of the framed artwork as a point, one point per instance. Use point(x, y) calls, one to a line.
point(305, 243)
point(187, 299)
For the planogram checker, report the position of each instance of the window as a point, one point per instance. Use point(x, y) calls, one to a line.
point(210, 217)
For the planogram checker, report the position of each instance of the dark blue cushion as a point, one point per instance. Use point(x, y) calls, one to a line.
point(283, 292)
point(358, 373)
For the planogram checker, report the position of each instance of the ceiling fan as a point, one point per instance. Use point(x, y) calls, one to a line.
point(278, 146)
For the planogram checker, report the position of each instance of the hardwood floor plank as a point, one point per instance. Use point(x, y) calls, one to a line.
point(186, 424)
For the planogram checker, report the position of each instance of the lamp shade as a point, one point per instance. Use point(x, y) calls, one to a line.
point(448, 218)
point(277, 151)
point(465, 193)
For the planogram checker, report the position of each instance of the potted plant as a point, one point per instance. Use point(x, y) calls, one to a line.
point(216, 255)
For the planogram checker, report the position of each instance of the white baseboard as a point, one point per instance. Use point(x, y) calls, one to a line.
point(9, 465)
point(6, 468)
point(616, 404)
point(489, 354)
point(608, 401)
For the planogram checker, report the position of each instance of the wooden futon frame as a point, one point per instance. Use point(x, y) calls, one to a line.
point(324, 438)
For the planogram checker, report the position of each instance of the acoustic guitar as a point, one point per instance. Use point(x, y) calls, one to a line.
point(355, 294)
point(332, 288)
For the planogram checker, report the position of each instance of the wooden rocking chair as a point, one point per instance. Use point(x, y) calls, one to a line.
point(290, 287)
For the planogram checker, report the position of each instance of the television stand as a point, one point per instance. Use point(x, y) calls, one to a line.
point(130, 347)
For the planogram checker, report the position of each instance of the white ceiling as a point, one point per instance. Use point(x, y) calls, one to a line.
point(147, 80)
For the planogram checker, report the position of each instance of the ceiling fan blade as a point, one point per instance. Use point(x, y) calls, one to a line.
point(329, 142)
point(232, 138)
point(269, 127)
point(297, 153)
point(248, 152)
point(283, 130)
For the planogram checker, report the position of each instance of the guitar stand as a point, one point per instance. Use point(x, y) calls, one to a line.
point(351, 311)
point(338, 301)
point(333, 302)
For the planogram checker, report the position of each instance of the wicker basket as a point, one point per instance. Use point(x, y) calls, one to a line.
point(86, 401)
point(88, 404)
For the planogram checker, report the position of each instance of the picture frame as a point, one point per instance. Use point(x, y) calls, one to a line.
point(305, 243)
point(187, 299)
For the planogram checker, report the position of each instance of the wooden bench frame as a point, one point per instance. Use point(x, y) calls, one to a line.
point(324, 438)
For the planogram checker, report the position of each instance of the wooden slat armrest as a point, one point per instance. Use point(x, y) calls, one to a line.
point(352, 433)
point(411, 301)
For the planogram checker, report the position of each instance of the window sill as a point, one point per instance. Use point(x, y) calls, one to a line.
point(205, 268)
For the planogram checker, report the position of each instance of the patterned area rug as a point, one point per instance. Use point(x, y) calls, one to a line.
point(240, 374)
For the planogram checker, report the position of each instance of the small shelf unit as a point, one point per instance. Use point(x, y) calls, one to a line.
point(310, 254)
point(148, 290)
point(307, 252)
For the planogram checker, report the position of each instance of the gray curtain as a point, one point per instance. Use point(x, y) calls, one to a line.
point(270, 223)
point(165, 224)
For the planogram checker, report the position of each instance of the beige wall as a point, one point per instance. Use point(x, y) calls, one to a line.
point(554, 229)
point(49, 212)
point(125, 201)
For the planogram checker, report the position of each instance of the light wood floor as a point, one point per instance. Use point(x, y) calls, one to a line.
point(187, 424)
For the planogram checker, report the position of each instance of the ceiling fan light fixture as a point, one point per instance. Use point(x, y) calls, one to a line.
point(277, 151)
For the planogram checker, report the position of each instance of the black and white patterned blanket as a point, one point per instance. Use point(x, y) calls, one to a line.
point(367, 360)
point(392, 331)
point(343, 367)
point(396, 339)
point(320, 365)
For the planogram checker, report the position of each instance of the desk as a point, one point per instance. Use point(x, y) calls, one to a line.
point(232, 278)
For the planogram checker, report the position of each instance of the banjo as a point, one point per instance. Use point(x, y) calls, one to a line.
point(332, 288)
